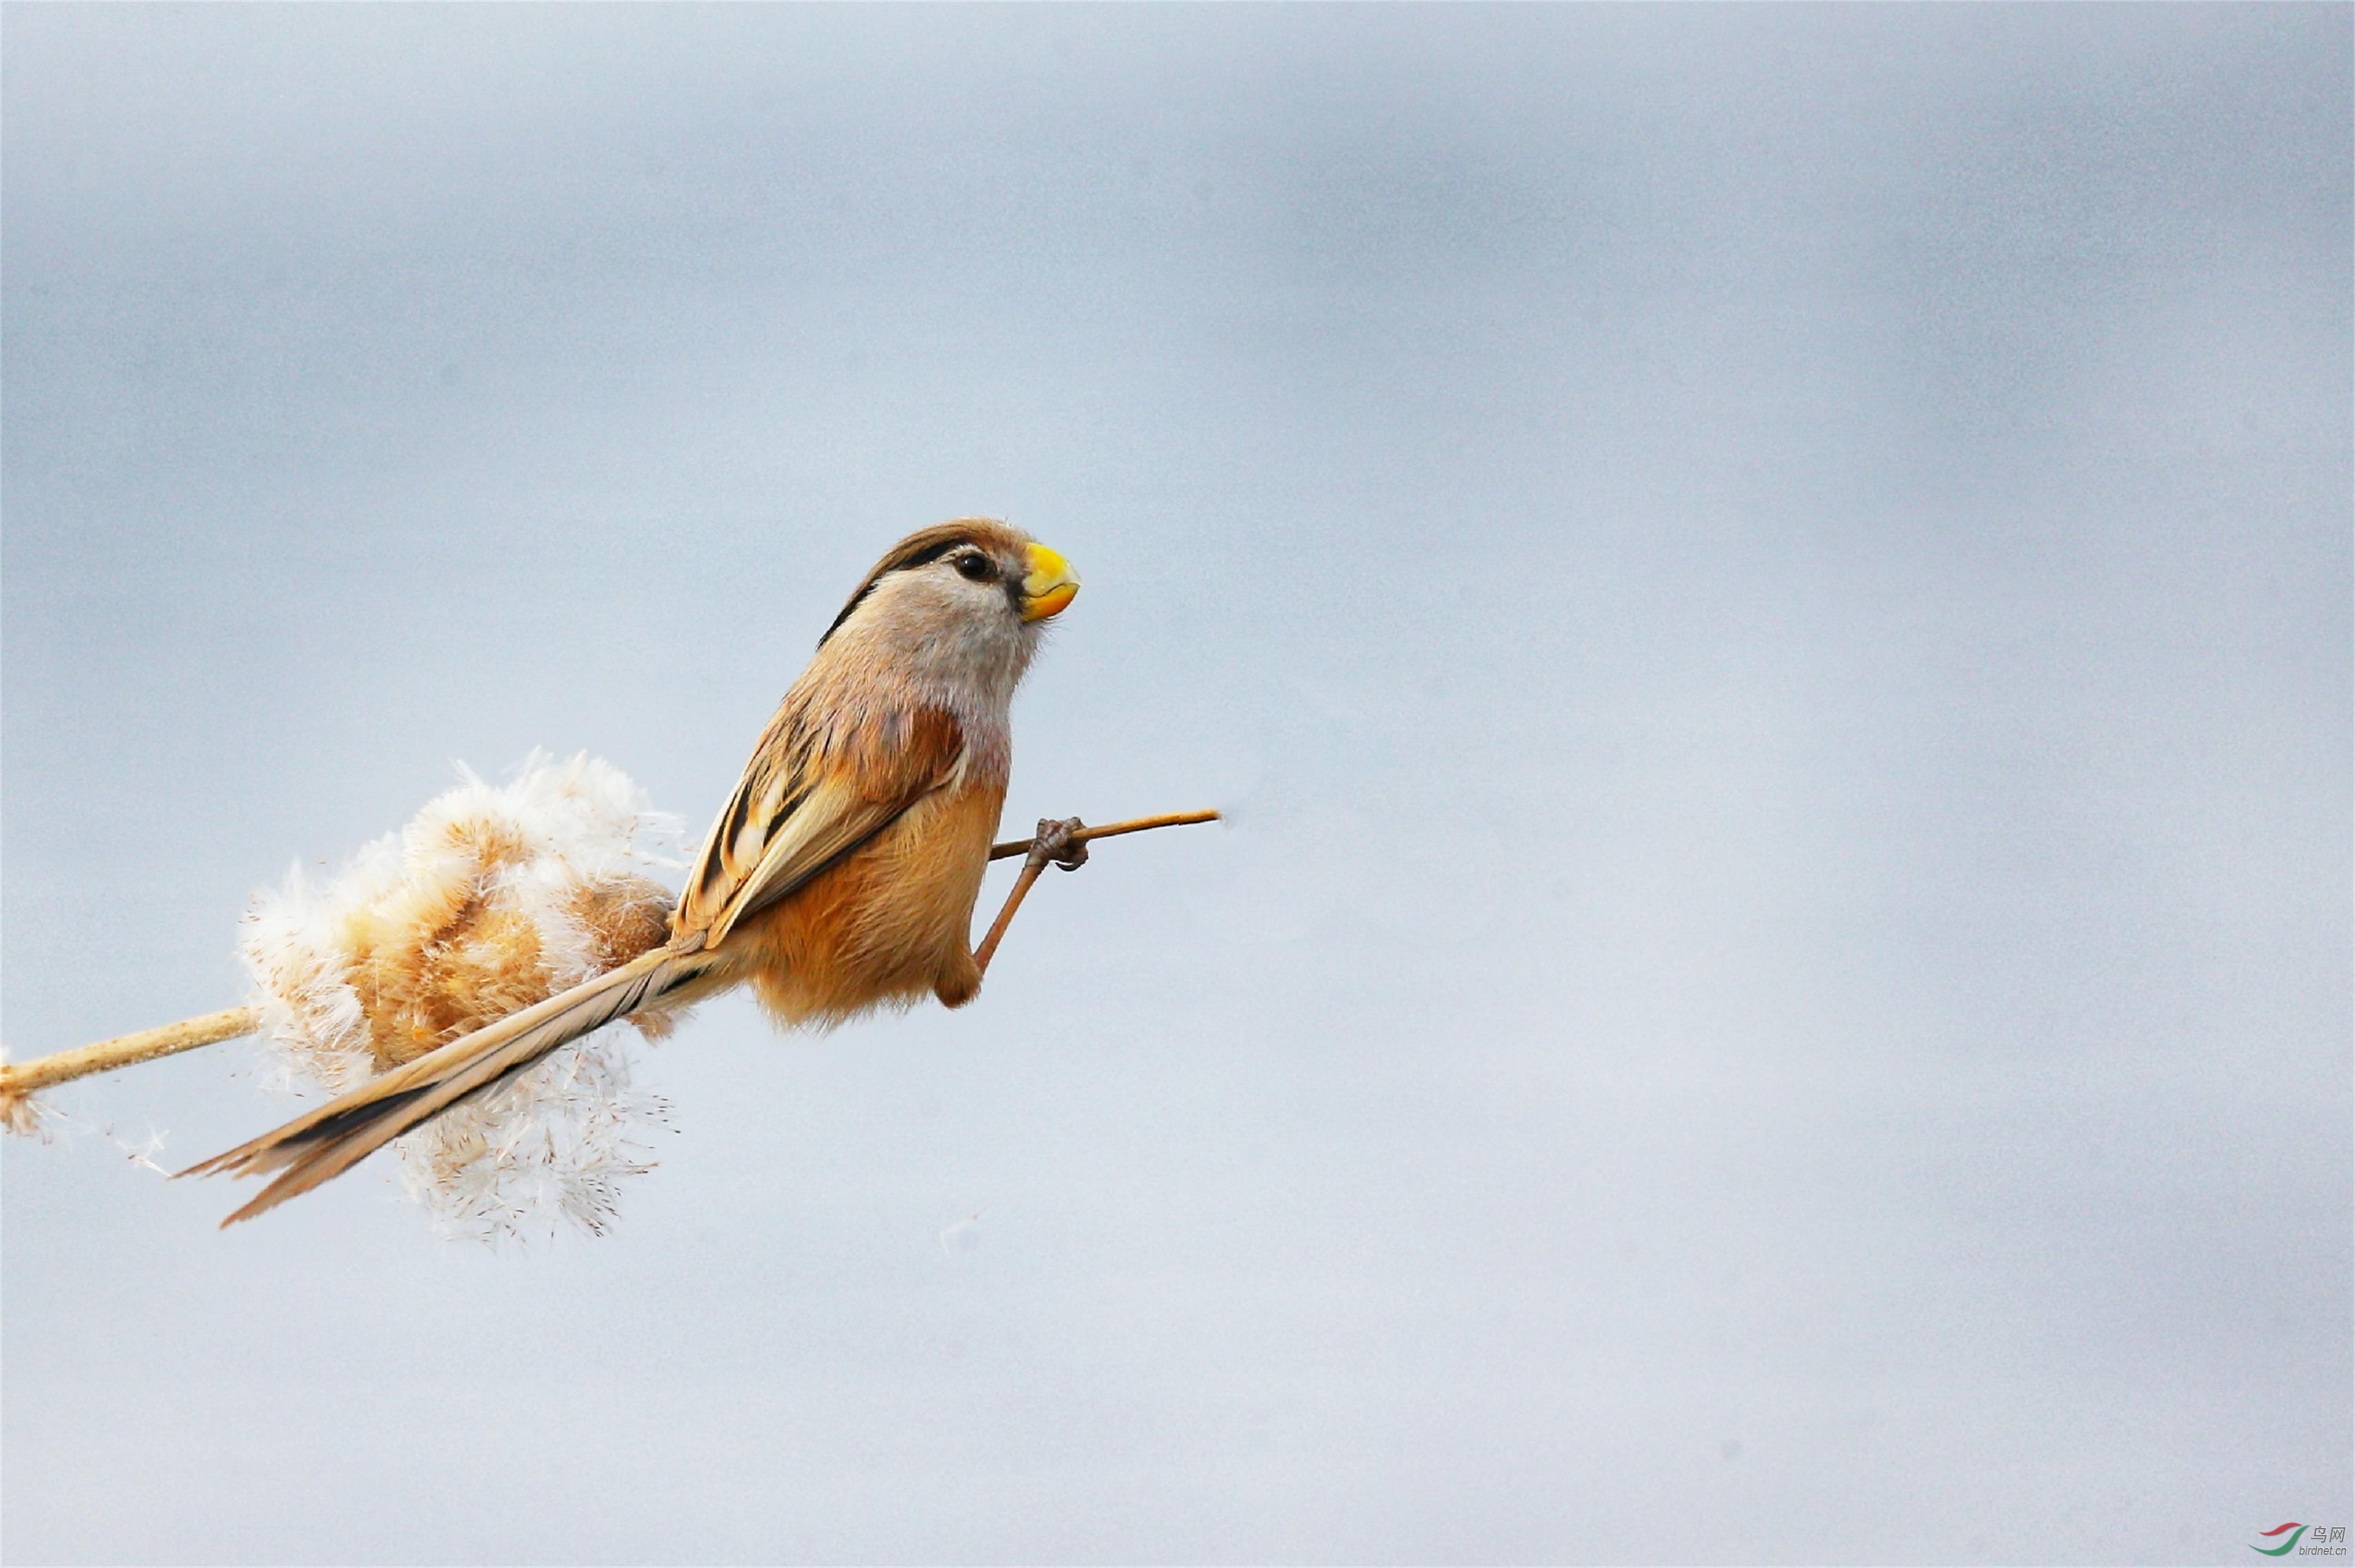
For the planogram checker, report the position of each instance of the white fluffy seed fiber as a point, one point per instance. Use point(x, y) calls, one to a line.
point(490, 900)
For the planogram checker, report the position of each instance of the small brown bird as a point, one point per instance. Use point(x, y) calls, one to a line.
point(843, 872)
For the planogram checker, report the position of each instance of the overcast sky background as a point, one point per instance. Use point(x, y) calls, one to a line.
point(1769, 590)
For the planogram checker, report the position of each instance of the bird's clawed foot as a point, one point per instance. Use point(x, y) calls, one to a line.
point(1059, 842)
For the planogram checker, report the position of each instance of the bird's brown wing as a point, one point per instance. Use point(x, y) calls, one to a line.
point(809, 797)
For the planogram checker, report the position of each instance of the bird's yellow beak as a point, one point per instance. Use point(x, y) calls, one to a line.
point(1049, 584)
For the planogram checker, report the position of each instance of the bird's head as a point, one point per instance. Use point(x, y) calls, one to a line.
point(966, 599)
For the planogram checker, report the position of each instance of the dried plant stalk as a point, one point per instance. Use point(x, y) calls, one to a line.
point(21, 1078)
point(1013, 847)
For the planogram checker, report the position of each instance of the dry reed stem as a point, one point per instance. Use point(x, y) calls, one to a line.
point(1013, 847)
point(63, 1067)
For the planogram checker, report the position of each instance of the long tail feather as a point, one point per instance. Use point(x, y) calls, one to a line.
point(322, 1145)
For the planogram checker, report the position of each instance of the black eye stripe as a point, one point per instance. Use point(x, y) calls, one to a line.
point(927, 556)
point(919, 551)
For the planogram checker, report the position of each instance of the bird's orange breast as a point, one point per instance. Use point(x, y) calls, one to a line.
point(888, 926)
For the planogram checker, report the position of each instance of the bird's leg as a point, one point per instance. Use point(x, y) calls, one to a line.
point(1055, 842)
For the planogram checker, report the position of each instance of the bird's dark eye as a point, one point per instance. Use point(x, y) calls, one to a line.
point(975, 567)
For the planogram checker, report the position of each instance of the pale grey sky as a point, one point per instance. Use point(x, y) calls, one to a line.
point(1769, 589)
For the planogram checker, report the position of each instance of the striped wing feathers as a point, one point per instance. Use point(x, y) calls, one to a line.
point(808, 798)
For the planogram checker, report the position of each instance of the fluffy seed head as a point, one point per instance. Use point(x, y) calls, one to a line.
point(492, 899)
